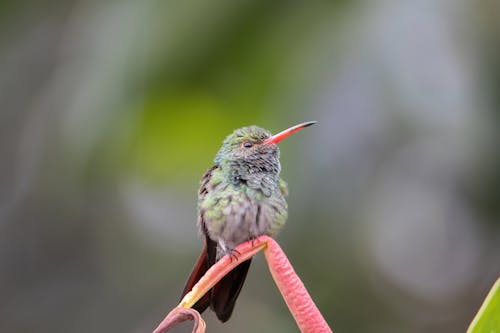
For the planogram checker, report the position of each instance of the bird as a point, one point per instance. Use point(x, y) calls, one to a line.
point(241, 197)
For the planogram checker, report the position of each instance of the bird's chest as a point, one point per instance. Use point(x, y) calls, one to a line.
point(235, 214)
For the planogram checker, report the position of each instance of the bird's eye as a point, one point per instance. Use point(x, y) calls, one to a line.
point(247, 144)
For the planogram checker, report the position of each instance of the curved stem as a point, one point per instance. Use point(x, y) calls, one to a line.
point(179, 315)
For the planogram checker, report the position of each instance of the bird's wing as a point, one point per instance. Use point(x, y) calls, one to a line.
point(209, 252)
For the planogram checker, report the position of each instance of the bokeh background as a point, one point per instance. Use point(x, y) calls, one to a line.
point(110, 112)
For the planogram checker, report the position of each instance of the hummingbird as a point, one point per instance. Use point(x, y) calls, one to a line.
point(241, 197)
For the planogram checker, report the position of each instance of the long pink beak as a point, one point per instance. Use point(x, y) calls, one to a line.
point(281, 135)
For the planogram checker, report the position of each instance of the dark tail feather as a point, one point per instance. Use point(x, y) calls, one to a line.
point(226, 291)
point(198, 271)
point(223, 295)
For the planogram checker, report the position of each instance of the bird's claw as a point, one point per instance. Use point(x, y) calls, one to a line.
point(233, 253)
point(253, 239)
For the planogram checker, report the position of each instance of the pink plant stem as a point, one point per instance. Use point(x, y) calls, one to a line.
point(298, 300)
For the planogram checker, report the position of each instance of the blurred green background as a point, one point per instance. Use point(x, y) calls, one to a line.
point(110, 112)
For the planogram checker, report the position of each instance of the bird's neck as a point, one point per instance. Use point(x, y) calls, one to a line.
point(264, 177)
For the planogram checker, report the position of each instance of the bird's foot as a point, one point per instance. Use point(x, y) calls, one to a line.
point(253, 239)
point(233, 253)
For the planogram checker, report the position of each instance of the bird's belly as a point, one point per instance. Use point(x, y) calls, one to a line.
point(234, 219)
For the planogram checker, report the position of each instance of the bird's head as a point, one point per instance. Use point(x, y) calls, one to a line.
point(253, 150)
